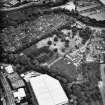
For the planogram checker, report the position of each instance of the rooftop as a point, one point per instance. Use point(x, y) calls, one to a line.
point(48, 90)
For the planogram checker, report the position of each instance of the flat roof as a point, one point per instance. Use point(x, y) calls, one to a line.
point(48, 90)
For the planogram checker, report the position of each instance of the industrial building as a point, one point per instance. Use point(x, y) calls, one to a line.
point(48, 91)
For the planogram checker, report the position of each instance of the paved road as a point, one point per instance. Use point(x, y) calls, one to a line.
point(7, 89)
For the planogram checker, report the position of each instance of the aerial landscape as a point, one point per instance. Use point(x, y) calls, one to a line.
point(52, 52)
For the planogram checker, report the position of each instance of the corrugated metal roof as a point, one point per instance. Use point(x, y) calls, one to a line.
point(48, 90)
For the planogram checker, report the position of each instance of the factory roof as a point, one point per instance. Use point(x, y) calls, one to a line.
point(48, 91)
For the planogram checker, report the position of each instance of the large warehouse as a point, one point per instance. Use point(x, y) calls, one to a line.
point(48, 91)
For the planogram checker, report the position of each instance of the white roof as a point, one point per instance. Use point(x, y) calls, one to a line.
point(20, 93)
point(103, 1)
point(9, 69)
point(48, 90)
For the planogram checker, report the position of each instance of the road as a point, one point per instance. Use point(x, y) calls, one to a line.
point(7, 89)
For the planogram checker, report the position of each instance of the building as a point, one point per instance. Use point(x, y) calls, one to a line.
point(15, 80)
point(93, 9)
point(19, 94)
point(102, 1)
point(48, 91)
point(9, 69)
